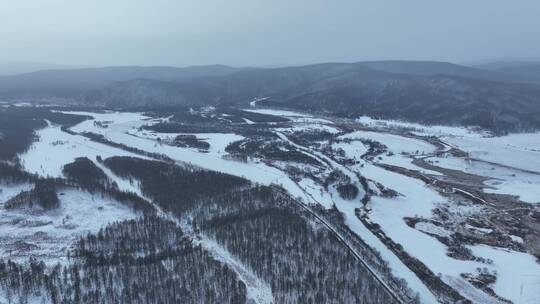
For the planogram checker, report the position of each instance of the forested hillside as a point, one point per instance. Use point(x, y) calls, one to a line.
point(502, 100)
point(18, 124)
point(163, 268)
point(299, 259)
point(425, 92)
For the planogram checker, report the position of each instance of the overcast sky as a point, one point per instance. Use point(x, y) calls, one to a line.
point(265, 32)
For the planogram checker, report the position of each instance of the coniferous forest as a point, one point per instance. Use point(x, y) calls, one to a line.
point(153, 259)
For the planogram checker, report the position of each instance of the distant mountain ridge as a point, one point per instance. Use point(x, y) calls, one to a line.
point(15, 68)
point(73, 83)
point(422, 91)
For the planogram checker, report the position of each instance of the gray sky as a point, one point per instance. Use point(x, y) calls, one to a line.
point(265, 32)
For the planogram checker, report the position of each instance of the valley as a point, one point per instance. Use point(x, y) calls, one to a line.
point(424, 213)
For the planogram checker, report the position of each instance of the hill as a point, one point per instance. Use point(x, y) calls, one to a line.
point(502, 100)
point(73, 83)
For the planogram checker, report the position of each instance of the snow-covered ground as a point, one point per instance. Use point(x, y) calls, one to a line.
point(399, 269)
point(255, 100)
point(420, 129)
point(395, 143)
point(122, 124)
point(126, 185)
point(217, 141)
point(308, 127)
point(56, 148)
point(416, 198)
point(257, 290)
point(28, 233)
point(9, 191)
point(282, 113)
point(419, 200)
point(117, 131)
point(294, 116)
point(402, 148)
point(348, 207)
point(504, 180)
point(521, 280)
point(520, 151)
point(353, 150)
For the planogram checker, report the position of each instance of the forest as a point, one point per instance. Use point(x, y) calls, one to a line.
point(43, 196)
point(18, 126)
point(300, 259)
point(174, 188)
point(190, 141)
point(154, 260)
point(160, 267)
point(269, 148)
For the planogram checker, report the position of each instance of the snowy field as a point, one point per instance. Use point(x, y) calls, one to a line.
point(504, 180)
point(520, 151)
point(217, 141)
point(419, 200)
point(309, 127)
point(56, 148)
point(28, 233)
point(123, 126)
point(402, 149)
point(511, 160)
point(294, 116)
point(420, 129)
point(416, 200)
point(282, 113)
point(9, 191)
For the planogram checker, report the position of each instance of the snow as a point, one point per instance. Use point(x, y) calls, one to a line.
point(389, 213)
point(419, 200)
point(527, 191)
point(516, 239)
point(518, 276)
point(395, 143)
point(470, 292)
point(520, 151)
point(353, 150)
point(257, 290)
point(256, 172)
point(432, 229)
point(255, 100)
point(416, 198)
point(132, 185)
point(294, 116)
point(479, 229)
point(399, 269)
point(420, 129)
point(311, 120)
point(450, 162)
point(52, 232)
point(321, 158)
point(218, 141)
point(400, 146)
point(316, 192)
point(348, 210)
point(9, 191)
point(504, 180)
point(309, 127)
point(277, 112)
point(123, 123)
point(56, 148)
point(249, 122)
